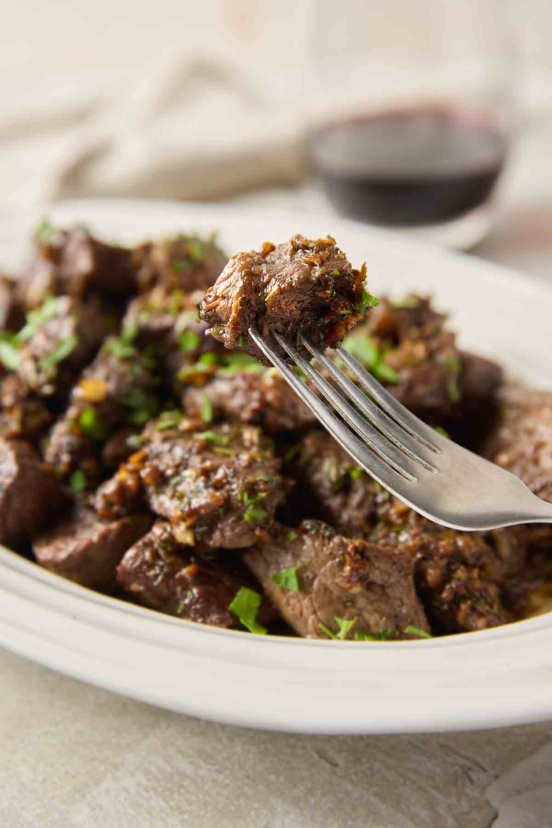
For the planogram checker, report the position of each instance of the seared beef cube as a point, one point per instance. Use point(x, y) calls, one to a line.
point(72, 262)
point(408, 348)
point(185, 262)
point(218, 488)
point(316, 576)
point(29, 495)
point(23, 415)
point(118, 389)
point(162, 574)
point(332, 487)
point(300, 285)
point(521, 440)
point(458, 574)
point(86, 549)
point(263, 398)
point(11, 309)
point(166, 320)
point(58, 339)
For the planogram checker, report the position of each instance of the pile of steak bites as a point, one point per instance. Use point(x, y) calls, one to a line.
point(145, 451)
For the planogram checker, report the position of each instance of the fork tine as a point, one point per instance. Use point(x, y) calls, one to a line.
point(400, 462)
point(376, 415)
point(376, 467)
point(412, 424)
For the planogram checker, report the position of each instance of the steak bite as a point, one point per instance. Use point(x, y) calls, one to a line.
point(72, 262)
point(408, 347)
point(263, 398)
point(300, 285)
point(521, 439)
point(23, 415)
point(118, 389)
point(218, 488)
point(162, 574)
point(29, 495)
point(184, 262)
point(317, 579)
point(86, 549)
point(459, 575)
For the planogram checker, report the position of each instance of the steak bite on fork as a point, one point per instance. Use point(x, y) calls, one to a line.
point(301, 285)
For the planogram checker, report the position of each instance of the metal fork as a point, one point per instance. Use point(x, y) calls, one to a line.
point(424, 469)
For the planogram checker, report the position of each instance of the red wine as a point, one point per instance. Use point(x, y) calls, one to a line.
point(409, 167)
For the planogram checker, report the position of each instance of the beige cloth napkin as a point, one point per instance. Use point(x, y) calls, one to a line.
point(192, 125)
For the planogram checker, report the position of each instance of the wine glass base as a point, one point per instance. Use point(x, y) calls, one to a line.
point(460, 234)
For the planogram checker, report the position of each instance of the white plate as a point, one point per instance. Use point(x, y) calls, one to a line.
point(479, 680)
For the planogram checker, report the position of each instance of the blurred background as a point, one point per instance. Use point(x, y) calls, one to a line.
point(212, 100)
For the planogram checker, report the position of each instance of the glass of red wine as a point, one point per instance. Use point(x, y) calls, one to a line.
point(412, 113)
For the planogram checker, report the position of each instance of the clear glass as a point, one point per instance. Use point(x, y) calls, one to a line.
point(412, 112)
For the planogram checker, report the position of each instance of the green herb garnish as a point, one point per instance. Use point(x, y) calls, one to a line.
point(246, 606)
point(9, 351)
point(453, 391)
point(91, 424)
point(254, 515)
point(291, 535)
point(238, 361)
point(120, 348)
point(344, 628)
point(206, 409)
point(411, 630)
point(442, 431)
point(37, 318)
point(382, 635)
point(211, 437)
point(60, 352)
point(46, 232)
point(168, 419)
point(287, 579)
point(189, 341)
point(368, 352)
point(77, 481)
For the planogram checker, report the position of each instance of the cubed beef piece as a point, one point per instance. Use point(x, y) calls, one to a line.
point(117, 449)
point(58, 339)
point(300, 285)
point(29, 496)
point(12, 315)
point(185, 262)
point(162, 574)
point(263, 398)
point(315, 576)
point(458, 574)
point(408, 348)
point(521, 439)
point(74, 263)
point(86, 549)
point(23, 415)
point(219, 488)
point(118, 389)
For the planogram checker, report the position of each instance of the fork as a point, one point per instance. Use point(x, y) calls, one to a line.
point(427, 471)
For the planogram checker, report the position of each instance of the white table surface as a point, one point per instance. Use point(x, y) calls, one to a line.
point(72, 755)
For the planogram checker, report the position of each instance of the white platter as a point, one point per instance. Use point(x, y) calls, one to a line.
point(479, 680)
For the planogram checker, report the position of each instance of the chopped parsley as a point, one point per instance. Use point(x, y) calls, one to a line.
point(120, 348)
point(442, 431)
point(287, 579)
point(77, 481)
point(211, 437)
point(168, 419)
point(37, 318)
point(411, 630)
point(180, 607)
point(245, 606)
point(291, 535)
point(206, 409)
point(46, 232)
point(142, 406)
point(382, 635)
point(355, 472)
point(344, 628)
point(130, 330)
point(254, 515)
point(238, 361)
point(135, 441)
point(367, 301)
point(242, 342)
point(92, 425)
point(9, 351)
point(189, 341)
point(368, 352)
point(61, 351)
point(453, 391)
